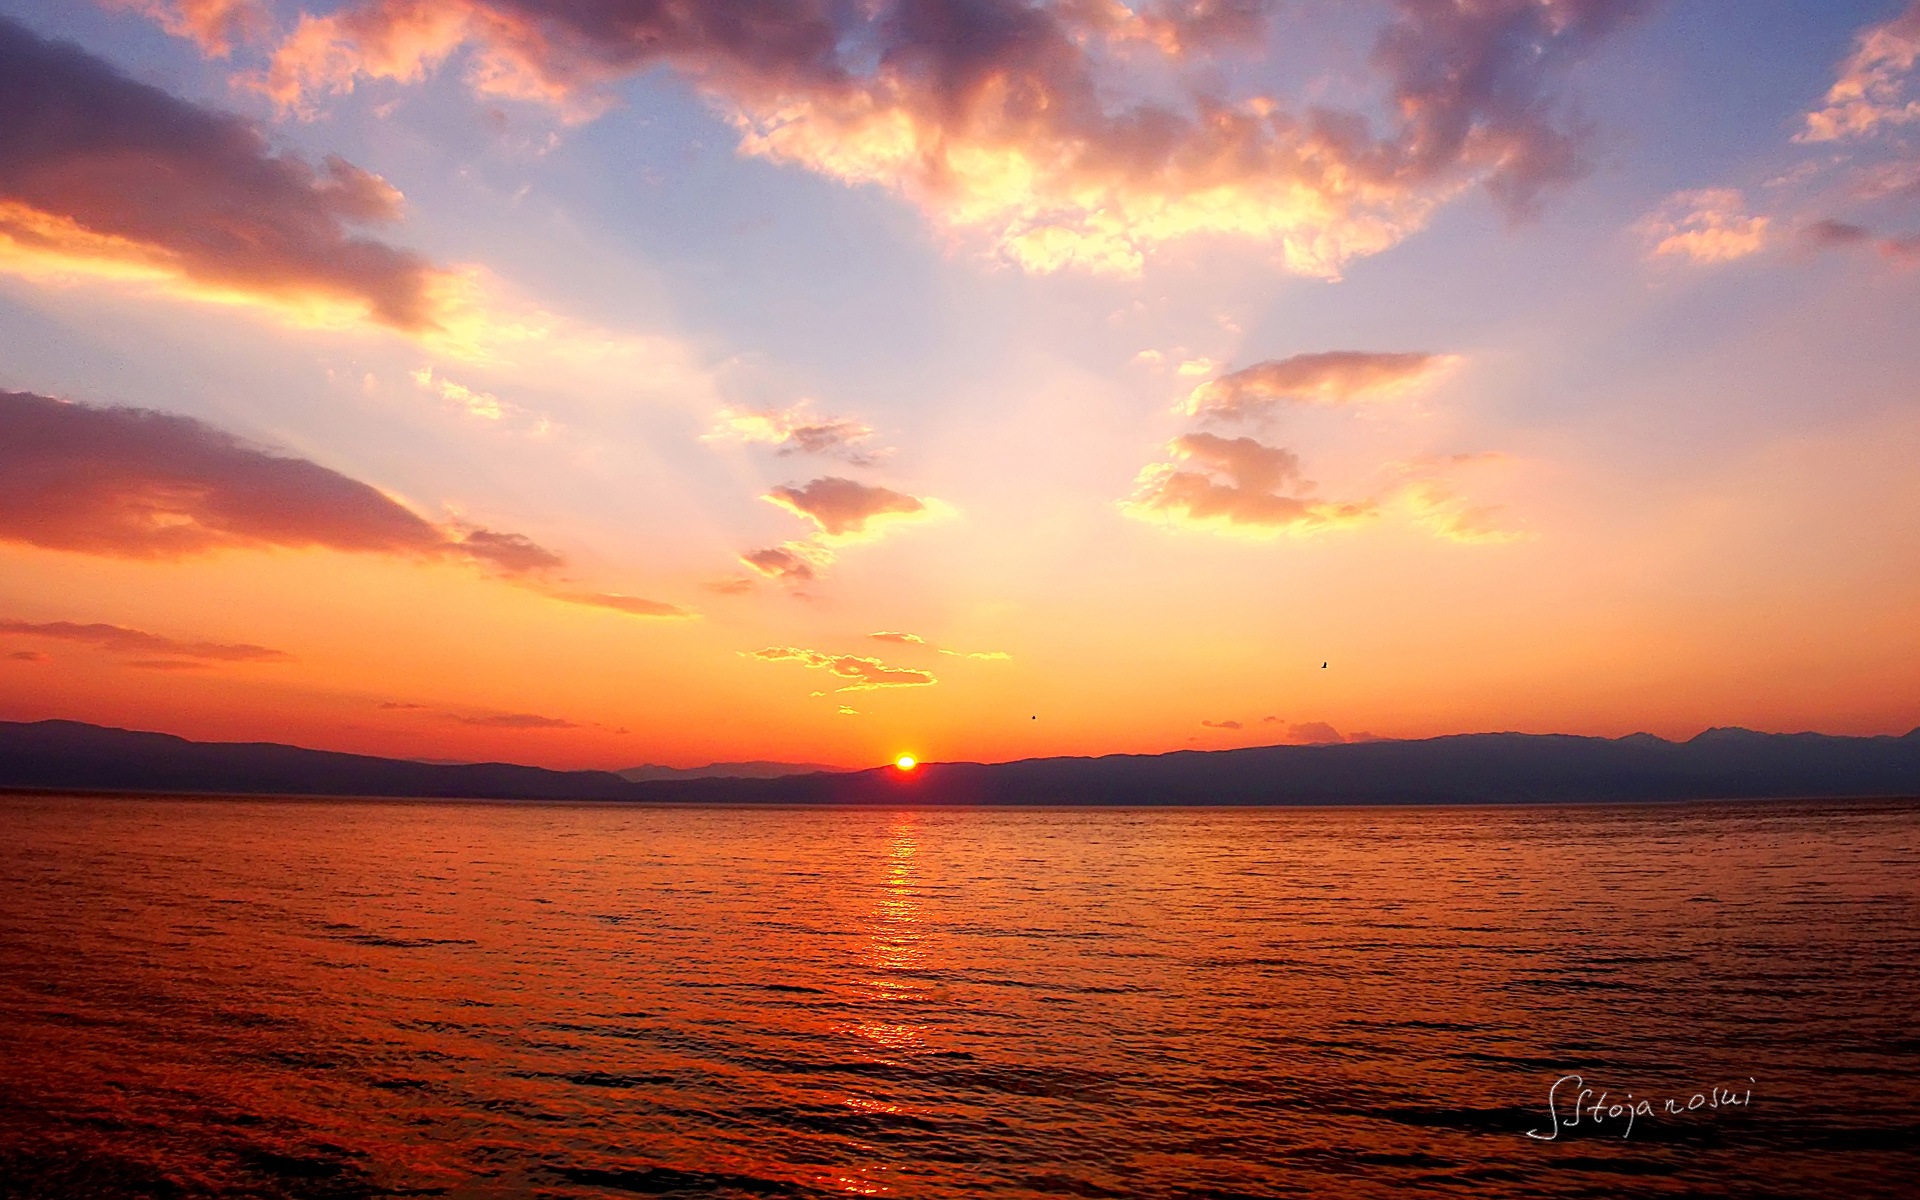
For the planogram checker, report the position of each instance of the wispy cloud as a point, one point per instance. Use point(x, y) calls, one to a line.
point(798, 430)
point(635, 606)
point(1872, 88)
point(119, 639)
point(1328, 377)
point(483, 405)
point(1830, 234)
point(1432, 499)
point(514, 721)
point(914, 639)
point(1435, 506)
point(214, 25)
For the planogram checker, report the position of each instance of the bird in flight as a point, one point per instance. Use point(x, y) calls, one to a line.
point(1323, 666)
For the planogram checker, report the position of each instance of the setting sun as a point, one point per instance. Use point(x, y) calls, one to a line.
point(906, 762)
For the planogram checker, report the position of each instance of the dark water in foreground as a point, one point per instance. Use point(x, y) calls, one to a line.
point(236, 998)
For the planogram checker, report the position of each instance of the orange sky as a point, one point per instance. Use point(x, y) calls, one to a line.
point(456, 382)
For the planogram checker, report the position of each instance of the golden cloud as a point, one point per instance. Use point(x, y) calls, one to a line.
point(867, 673)
point(1706, 226)
point(105, 177)
point(1009, 120)
point(1871, 88)
point(797, 430)
point(1236, 485)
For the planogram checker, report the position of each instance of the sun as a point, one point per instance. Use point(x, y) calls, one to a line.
point(906, 762)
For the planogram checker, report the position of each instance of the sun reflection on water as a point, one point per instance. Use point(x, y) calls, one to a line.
point(895, 956)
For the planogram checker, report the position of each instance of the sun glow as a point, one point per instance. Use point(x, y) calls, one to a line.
point(906, 762)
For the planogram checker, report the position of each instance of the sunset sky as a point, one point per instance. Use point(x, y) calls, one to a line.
point(642, 381)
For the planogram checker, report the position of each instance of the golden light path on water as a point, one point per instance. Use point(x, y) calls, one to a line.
point(352, 999)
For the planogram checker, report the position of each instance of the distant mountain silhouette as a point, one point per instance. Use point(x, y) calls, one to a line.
point(757, 769)
point(1482, 768)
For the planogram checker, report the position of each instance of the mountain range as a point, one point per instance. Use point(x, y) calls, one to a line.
point(757, 769)
point(1482, 768)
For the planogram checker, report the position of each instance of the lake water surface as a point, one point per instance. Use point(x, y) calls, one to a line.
point(342, 999)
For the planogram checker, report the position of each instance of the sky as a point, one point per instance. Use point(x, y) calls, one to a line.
point(618, 382)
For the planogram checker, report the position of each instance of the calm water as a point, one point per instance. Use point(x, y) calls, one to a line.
point(239, 998)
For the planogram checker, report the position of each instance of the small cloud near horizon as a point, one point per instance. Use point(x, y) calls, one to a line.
point(514, 721)
point(1314, 733)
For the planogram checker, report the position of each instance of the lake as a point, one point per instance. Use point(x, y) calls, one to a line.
point(290, 998)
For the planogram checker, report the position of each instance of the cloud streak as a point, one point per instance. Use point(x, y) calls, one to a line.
point(118, 639)
point(633, 606)
point(914, 639)
point(515, 721)
point(1329, 377)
